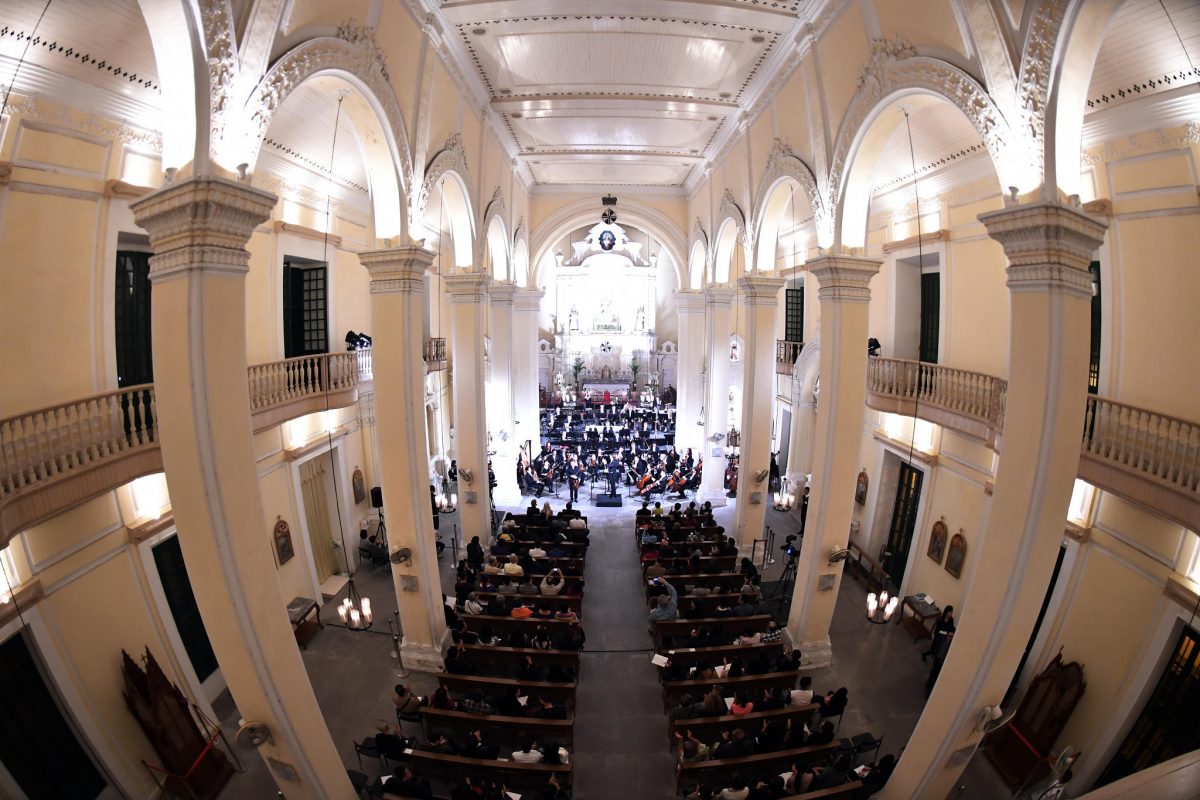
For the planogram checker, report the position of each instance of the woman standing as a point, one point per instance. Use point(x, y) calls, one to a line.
point(943, 626)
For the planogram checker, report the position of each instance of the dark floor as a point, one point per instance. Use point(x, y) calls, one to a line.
point(621, 728)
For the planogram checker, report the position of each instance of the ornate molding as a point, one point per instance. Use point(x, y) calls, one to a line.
point(452, 157)
point(305, 232)
point(44, 110)
point(1178, 137)
point(201, 224)
point(216, 17)
point(502, 292)
point(760, 290)
point(495, 210)
point(844, 279)
point(363, 36)
point(319, 55)
point(466, 287)
point(718, 296)
point(112, 188)
point(784, 163)
point(892, 69)
point(1048, 246)
point(1037, 63)
point(729, 209)
point(397, 269)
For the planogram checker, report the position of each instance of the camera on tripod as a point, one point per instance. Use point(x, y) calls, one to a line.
point(789, 549)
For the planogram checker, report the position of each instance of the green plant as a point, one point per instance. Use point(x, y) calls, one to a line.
point(577, 368)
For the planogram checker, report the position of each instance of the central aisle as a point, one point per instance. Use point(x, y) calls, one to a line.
point(620, 726)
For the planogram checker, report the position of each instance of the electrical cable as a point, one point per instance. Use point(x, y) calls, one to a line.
point(912, 441)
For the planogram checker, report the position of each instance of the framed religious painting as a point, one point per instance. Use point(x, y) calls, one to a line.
point(359, 486)
point(937, 541)
point(860, 488)
point(283, 542)
point(957, 554)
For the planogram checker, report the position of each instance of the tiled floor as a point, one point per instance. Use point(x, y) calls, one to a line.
point(621, 729)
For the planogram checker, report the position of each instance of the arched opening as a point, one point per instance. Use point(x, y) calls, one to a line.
point(169, 35)
point(787, 224)
point(696, 266)
point(520, 263)
point(449, 211)
point(497, 249)
point(723, 259)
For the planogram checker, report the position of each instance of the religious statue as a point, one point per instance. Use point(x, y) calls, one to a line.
point(606, 319)
point(573, 320)
point(640, 325)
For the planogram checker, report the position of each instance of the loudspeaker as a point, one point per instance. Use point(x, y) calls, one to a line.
point(376, 497)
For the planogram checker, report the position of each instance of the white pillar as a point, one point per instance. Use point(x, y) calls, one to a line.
point(468, 298)
point(718, 302)
point(525, 366)
point(844, 297)
point(501, 416)
point(398, 296)
point(1049, 247)
point(761, 293)
point(689, 372)
point(199, 229)
point(804, 421)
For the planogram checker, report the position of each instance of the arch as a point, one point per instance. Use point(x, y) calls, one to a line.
point(452, 213)
point(1081, 38)
point(520, 255)
point(494, 239)
point(183, 82)
point(723, 248)
point(785, 173)
point(451, 159)
point(806, 370)
point(893, 72)
point(372, 107)
point(568, 217)
point(699, 256)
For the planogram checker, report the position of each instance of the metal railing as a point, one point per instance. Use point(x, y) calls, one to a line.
point(1154, 445)
point(42, 445)
point(292, 379)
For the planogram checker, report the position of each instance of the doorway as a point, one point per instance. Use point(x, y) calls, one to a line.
point(321, 509)
point(305, 328)
point(1167, 725)
point(39, 748)
point(168, 558)
point(904, 521)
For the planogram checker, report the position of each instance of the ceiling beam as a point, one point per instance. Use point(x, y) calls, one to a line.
point(522, 102)
point(560, 155)
point(774, 15)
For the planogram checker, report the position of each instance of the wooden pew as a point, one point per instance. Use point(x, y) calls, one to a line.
point(682, 627)
point(564, 692)
point(513, 655)
point(680, 581)
point(846, 790)
point(474, 622)
point(572, 602)
point(713, 769)
point(528, 777)
point(509, 729)
point(707, 602)
point(714, 563)
point(689, 656)
point(572, 549)
point(574, 583)
point(708, 729)
point(673, 690)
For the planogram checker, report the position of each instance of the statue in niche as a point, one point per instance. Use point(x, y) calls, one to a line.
point(606, 319)
point(573, 320)
point(640, 325)
point(734, 355)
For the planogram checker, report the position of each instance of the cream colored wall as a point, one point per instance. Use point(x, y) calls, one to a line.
point(930, 26)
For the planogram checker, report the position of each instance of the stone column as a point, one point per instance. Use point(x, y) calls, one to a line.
point(468, 305)
point(398, 296)
point(500, 407)
point(761, 293)
point(199, 229)
point(718, 302)
point(525, 366)
point(690, 307)
point(804, 421)
point(844, 295)
point(1049, 247)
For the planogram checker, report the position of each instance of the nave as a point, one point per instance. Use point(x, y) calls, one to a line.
point(621, 728)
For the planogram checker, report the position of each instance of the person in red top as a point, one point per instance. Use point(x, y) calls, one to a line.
point(522, 611)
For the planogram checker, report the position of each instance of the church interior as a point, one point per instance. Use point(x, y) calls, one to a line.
point(339, 305)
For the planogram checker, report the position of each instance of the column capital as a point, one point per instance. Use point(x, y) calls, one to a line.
point(502, 291)
point(397, 269)
point(689, 301)
point(761, 290)
point(844, 279)
point(1048, 245)
point(718, 295)
point(466, 287)
point(201, 224)
point(529, 299)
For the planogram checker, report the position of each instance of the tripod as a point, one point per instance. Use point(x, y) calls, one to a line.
point(783, 589)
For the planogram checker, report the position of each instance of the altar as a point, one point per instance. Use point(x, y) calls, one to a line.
point(618, 392)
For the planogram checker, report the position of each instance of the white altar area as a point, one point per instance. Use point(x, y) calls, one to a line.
point(605, 303)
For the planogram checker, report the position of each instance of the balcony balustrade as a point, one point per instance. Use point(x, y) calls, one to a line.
point(971, 403)
point(435, 354)
point(786, 354)
point(283, 390)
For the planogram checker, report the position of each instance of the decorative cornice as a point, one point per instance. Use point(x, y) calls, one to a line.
point(43, 110)
point(1100, 207)
point(529, 299)
point(24, 597)
point(150, 528)
point(502, 292)
point(689, 301)
point(760, 290)
point(783, 162)
point(363, 36)
point(113, 188)
point(466, 287)
point(201, 224)
point(451, 157)
point(1178, 137)
point(1048, 245)
point(397, 269)
point(1182, 590)
point(1078, 533)
point(305, 232)
point(912, 241)
point(717, 296)
point(843, 279)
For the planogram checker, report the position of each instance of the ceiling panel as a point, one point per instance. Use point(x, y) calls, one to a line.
point(302, 130)
point(610, 172)
point(1142, 55)
point(599, 128)
point(941, 135)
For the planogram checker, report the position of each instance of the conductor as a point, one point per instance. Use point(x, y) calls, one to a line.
point(614, 475)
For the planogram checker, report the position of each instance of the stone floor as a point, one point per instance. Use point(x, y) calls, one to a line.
point(621, 728)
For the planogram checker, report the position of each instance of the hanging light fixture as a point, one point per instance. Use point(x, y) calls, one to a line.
point(881, 608)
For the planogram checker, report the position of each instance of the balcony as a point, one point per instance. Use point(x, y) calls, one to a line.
point(970, 403)
point(60, 456)
point(786, 354)
point(435, 355)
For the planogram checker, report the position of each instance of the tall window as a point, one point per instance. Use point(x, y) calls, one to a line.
point(931, 303)
point(132, 319)
point(304, 308)
point(793, 315)
point(1094, 355)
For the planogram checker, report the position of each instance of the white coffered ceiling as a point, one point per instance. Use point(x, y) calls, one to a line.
point(629, 94)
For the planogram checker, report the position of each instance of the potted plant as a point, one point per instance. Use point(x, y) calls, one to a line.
point(576, 370)
point(634, 369)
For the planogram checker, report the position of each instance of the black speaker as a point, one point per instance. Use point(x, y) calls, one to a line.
point(376, 497)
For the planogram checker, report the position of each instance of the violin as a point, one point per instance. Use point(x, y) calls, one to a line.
point(675, 483)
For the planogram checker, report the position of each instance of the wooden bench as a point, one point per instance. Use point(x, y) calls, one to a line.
point(510, 729)
point(711, 769)
point(707, 546)
point(845, 790)
point(491, 686)
point(515, 773)
point(576, 549)
point(705, 602)
point(482, 653)
point(673, 690)
point(570, 602)
point(574, 583)
point(707, 563)
point(681, 580)
point(474, 622)
point(683, 627)
point(689, 656)
point(751, 723)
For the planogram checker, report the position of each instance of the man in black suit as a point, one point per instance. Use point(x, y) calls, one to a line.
point(614, 475)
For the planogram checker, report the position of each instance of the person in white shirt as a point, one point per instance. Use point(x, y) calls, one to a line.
point(577, 523)
point(526, 751)
point(512, 567)
point(537, 552)
point(804, 694)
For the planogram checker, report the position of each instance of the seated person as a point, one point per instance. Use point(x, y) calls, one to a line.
point(818, 778)
point(402, 783)
point(521, 611)
point(833, 703)
point(526, 751)
point(406, 700)
point(804, 694)
point(528, 671)
point(475, 703)
point(691, 749)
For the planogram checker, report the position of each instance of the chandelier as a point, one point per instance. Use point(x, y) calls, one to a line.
point(355, 610)
point(880, 609)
